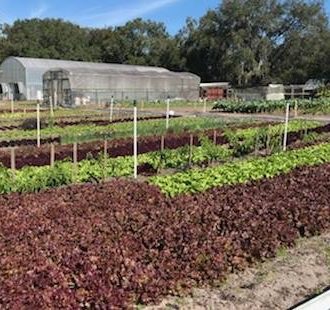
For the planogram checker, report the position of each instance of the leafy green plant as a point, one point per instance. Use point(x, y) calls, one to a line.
point(198, 180)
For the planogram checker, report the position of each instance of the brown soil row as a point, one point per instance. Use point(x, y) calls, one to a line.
point(32, 156)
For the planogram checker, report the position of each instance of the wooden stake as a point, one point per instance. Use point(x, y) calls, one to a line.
point(105, 148)
point(75, 153)
point(52, 154)
point(162, 143)
point(12, 158)
point(214, 137)
point(75, 160)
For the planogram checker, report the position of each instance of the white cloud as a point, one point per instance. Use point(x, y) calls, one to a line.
point(120, 15)
point(39, 11)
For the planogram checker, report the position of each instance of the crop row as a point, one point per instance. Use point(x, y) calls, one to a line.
point(78, 133)
point(123, 243)
point(60, 122)
point(97, 169)
point(31, 179)
point(199, 180)
point(241, 139)
point(259, 106)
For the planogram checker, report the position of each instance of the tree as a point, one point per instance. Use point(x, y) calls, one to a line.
point(253, 42)
point(303, 39)
point(48, 38)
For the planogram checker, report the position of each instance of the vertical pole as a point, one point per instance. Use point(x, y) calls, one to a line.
point(191, 149)
point(111, 109)
point(12, 159)
point(75, 161)
point(285, 140)
point(38, 124)
point(75, 153)
point(162, 143)
point(52, 154)
point(105, 148)
point(135, 141)
point(214, 136)
point(296, 108)
point(55, 98)
point(51, 107)
point(167, 113)
point(204, 100)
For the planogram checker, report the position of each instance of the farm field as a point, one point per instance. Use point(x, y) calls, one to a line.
point(79, 133)
point(184, 154)
point(58, 243)
point(32, 156)
point(212, 197)
point(304, 106)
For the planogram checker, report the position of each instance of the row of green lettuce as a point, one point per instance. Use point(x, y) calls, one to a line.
point(29, 179)
point(259, 106)
point(79, 133)
point(245, 141)
point(33, 179)
point(199, 180)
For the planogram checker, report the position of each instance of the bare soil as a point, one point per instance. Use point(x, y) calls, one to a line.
point(294, 275)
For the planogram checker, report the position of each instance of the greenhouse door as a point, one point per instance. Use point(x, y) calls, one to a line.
point(60, 91)
point(64, 93)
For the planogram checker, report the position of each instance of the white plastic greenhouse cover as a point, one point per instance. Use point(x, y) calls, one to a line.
point(30, 71)
point(40, 63)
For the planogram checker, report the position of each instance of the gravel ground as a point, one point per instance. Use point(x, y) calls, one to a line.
point(281, 283)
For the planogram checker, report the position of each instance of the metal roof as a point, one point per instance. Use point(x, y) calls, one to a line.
point(215, 84)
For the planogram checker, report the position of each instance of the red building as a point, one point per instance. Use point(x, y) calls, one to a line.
point(214, 91)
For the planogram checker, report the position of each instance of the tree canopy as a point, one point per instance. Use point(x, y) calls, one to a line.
point(245, 42)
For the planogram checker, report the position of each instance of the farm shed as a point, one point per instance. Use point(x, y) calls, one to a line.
point(270, 92)
point(23, 78)
point(97, 83)
point(214, 91)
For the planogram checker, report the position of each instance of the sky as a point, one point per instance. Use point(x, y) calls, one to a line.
point(104, 13)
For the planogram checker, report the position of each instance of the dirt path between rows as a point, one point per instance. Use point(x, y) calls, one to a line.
point(281, 283)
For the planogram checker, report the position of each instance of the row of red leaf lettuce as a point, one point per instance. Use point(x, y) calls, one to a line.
point(121, 243)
